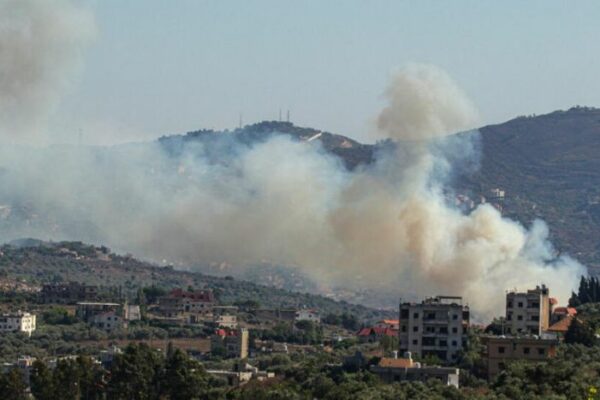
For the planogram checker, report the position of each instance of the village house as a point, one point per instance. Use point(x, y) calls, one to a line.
point(108, 321)
point(87, 310)
point(180, 302)
point(392, 324)
point(68, 293)
point(232, 343)
point(394, 369)
point(226, 321)
point(437, 326)
point(499, 350)
point(242, 373)
point(375, 333)
point(308, 315)
point(18, 322)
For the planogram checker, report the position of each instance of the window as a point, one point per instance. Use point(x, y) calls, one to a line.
point(416, 342)
point(443, 343)
point(416, 315)
point(444, 329)
point(454, 317)
point(430, 315)
point(415, 329)
point(501, 349)
point(403, 328)
point(403, 314)
point(520, 304)
point(454, 343)
point(525, 350)
point(520, 317)
point(455, 330)
point(509, 317)
point(535, 317)
point(509, 304)
point(541, 351)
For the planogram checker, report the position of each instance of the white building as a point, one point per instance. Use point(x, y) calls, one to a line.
point(108, 321)
point(226, 321)
point(18, 322)
point(308, 315)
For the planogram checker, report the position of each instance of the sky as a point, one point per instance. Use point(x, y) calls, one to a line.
point(164, 67)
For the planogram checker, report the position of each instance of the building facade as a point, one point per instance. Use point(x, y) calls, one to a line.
point(528, 313)
point(501, 350)
point(179, 302)
point(68, 293)
point(18, 322)
point(437, 326)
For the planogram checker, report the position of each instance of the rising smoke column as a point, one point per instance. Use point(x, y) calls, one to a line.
point(41, 43)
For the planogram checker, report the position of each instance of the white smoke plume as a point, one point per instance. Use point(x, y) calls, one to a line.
point(41, 43)
point(386, 225)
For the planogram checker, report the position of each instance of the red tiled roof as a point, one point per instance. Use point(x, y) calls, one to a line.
point(561, 326)
point(377, 331)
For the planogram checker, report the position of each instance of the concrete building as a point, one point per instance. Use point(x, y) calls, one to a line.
point(226, 321)
point(528, 312)
point(242, 374)
point(108, 321)
point(500, 350)
point(308, 315)
point(86, 310)
point(180, 302)
point(233, 343)
point(395, 369)
point(437, 326)
point(68, 293)
point(18, 322)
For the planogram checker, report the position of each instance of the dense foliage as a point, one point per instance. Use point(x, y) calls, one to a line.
point(142, 373)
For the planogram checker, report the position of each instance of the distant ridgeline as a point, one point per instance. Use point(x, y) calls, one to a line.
point(216, 144)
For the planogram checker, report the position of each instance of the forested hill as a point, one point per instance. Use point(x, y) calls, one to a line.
point(27, 264)
point(549, 166)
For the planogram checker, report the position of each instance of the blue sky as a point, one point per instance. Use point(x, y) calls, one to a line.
point(160, 67)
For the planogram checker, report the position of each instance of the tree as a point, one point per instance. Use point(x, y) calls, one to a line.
point(66, 378)
point(135, 374)
point(41, 381)
point(183, 378)
point(580, 332)
point(12, 385)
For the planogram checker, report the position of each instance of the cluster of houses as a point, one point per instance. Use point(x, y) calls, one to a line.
point(438, 327)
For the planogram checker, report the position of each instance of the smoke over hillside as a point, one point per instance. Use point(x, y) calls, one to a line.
point(286, 201)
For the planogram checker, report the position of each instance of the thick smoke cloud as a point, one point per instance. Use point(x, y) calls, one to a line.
point(41, 42)
point(388, 225)
point(424, 103)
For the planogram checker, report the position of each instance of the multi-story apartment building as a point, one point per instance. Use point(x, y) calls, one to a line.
point(18, 322)
point(68, 293)
point(179, 302)
point(528, 313)
point(437, 326)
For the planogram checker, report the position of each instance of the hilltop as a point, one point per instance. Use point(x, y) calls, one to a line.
point(548, 165)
